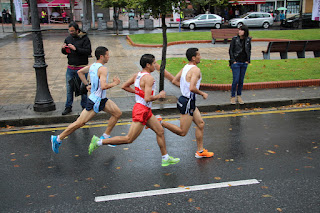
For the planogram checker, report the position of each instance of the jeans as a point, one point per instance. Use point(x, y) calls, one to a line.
point(69, 75)
point(239, 71)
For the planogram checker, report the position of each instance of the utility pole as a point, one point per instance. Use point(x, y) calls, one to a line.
point(13, 19)
point(92, 14)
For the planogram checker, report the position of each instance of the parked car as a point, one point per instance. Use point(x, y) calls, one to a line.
point(203, 20)
point(253, 19)
point(294, 21)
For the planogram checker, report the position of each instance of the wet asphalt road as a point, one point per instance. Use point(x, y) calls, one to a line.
point(279, 149)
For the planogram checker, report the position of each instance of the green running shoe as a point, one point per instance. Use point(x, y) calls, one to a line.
point(94, 144)
point(171, 160)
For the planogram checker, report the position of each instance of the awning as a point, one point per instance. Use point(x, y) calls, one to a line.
point(41, 3)
point(54, 3)
point(61, 3)
point(243, 2)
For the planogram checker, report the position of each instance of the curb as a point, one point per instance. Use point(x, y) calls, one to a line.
point(158, 109)
point(194, 42)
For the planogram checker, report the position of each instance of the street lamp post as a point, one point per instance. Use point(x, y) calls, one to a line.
point(43, 101)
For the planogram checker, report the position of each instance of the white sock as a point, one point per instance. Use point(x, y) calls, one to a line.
point(105, 135)
point(165, 157)
point(99, 142)
point(58, 139)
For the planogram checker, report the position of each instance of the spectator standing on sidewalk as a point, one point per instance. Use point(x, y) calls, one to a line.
point(64, 16)
point(240, 53)
point(282, 16)
point(77, 47)
point(237, 13)
point(4, 16)
point(43, 16)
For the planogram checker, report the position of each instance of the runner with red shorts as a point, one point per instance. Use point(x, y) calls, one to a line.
point(144, 86)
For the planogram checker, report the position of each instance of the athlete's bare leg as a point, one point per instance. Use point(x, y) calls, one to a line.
point(155, 125)
point(185, 123)
point(197, 119)
point(84, 117)
point(115, 112)
point(134, 131)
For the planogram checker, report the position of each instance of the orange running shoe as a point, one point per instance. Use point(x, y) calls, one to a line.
point(204, 154)
point(159, 119)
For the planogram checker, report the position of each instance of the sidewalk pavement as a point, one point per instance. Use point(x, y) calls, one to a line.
point(18, 84)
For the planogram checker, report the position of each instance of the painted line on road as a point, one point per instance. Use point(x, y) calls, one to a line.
point(175, 190)
point(23, 35)
point(10, 132)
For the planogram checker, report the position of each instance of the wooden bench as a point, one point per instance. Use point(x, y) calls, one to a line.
point(224, 34)
point(313, 45)
point(300, 47)
point(174, 22)
point(277, 46)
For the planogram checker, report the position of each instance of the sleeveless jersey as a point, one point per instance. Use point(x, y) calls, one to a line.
point(139, 93)
point(96, 91)
point(185, 86)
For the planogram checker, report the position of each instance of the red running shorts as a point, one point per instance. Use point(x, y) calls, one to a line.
point(141, 113)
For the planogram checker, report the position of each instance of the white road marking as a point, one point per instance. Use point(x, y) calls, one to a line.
point(23, 35)
point(175, 190)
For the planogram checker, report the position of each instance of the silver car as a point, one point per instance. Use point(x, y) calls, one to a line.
point(253, 19)
point(203, 20)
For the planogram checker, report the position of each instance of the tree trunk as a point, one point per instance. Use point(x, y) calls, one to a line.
point(13, 19)
point(116, 17)
point(164, 52)
point(71, 10)
point(300, 16)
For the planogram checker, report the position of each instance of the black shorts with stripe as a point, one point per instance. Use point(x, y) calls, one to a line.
point(90, 104)
point(186, 105)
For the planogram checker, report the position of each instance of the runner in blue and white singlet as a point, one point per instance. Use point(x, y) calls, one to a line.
point(97, 100)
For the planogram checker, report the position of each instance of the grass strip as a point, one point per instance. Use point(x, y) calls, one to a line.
point(219, 72)
point(156, 38)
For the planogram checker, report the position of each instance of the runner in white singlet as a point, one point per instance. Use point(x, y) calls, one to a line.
point(189, 79)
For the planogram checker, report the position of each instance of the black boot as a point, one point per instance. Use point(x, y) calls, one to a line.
point(67, 111)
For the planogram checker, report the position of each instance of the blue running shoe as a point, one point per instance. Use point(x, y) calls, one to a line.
point(108, 144)
point(55, 144)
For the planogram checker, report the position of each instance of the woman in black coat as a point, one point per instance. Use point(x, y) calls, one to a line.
point(240, 52)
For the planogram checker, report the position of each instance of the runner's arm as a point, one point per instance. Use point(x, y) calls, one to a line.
point(103, 73)
point(166, 73)
point(127, 85)
point(148, 82)
point(195, 76)
point(81, 74)
point(176, 79)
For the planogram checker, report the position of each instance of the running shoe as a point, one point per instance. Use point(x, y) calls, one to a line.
point(171, 160)
point(94, 144)
point(55, 144)
point(108, 144)
point(204, 154)
point(159, 119)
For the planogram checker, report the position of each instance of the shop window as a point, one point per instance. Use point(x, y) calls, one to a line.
point(293, 6)
point(267, 7)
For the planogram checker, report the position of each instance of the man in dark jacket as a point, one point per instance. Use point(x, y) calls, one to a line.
point(77, 47)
